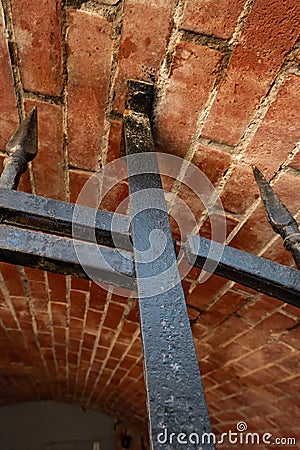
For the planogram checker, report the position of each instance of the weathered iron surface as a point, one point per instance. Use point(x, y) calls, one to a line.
point(57, 254)
point(57, 217)
point(176, 402)
point(21, 149)
point(249, 270)
point(280, 218)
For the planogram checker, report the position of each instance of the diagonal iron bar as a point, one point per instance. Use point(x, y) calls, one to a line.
point(21, 149)
point(58, 254)
point(280, 218)
point(249, 270)
point(176, 402)
point(57, 217)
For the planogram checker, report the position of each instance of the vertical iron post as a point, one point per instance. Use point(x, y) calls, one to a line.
point(176, 404)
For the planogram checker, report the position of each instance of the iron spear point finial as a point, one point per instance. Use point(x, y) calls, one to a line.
point(21, 149)
point(280, 218)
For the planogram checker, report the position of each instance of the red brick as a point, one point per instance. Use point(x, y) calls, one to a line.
point(38, 36)
point(12, 279)
point(21, 308)
point(185, 212)
point(101, 353)
point(118, 298)
point(128, 362)
point(76, 326)
point(113, 316)
point(205, 292)
point(79, 284)
point(59, 314)
point(2, 299)
point(117, 199)
point(50, 158)
point(279, 131)
point(106, 338)
point(212, 17)
point(45, 340)
point(57, 287)
point(77, 304)
point(194, 72)
point(34, 274)
point(143, 44)
point(270, 353)
point(292, 338)
point(193, 313)
point(254, 233)
point(293, 310)
point(287, 188)
point(77, 181)
point(240, 191)
point(74, 345)
point(112, 363)
point(89, 45)
point(60, 334)
point(97, 297)
point(135, 349)
point(118, 350)
point(134, 315)
point(222, 308)
point(295, 163)
point(276, 252)
point(227, 331)
point(264, 376)
point(213, 163)
point(7, 318)
point(88, 341)
point(93, 321)
point(271, 327)
point(128, 330)
point(114, 140)
point(218, 223)
point(258, 308)
point(252, 68)
point(42, 321)
point(8, 104)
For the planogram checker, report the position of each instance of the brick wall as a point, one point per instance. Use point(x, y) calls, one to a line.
point(227, 97)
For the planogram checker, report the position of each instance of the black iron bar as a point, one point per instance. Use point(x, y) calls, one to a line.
point(21, 149)
point(59, 255)
point(280, 218)
point(249, 270)
point(57, 217)
point(176, 403)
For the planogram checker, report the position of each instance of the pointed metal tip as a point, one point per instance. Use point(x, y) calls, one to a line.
point(257, 174)
point(278, 215)
point(25, 140)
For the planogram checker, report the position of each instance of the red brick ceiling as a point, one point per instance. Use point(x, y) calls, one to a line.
point(227, 97)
